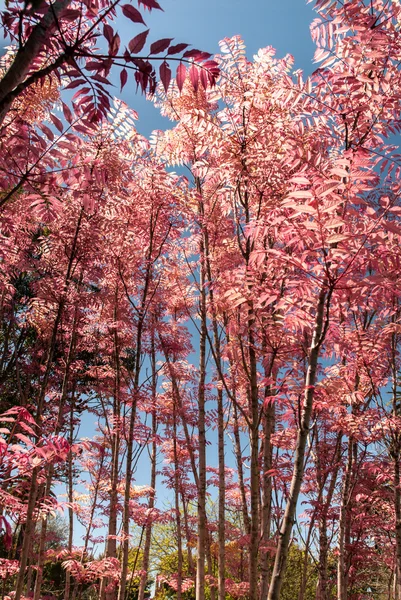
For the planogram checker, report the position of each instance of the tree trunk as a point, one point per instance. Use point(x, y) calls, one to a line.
point(130, 441)
point(268, 428)
point(280, 562)
point(202, 537)
point(148, 532)
point(342, 571)
point(177, 509)
point(322, 590)
point(221, 530)
point(67, 590)
point(111, 544)
point(255, 471)
point(26, 56)
point(240, 470)
point(222, 499)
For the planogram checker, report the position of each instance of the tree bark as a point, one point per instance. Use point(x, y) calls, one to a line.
point(177, 509)
point(343, 527)
point(201, 544)
point(322, 590)
point(153, 461)
point(27, 55)
point(268, 428)
point(255, 471)
point(320, 329)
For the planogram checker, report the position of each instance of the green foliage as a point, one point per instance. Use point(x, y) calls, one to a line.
point(294, 574)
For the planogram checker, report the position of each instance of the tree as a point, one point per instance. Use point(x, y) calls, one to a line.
point(277, 260)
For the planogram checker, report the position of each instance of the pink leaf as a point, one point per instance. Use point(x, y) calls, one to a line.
point(23, 438)
point(132, 13)
point(26, 428)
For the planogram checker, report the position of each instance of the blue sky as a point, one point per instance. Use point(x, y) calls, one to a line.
point(283, 24)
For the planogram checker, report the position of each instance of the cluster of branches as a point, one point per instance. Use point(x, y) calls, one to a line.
point(254, 303)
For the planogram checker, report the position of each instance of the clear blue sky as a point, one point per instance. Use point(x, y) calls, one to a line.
point(283, 24)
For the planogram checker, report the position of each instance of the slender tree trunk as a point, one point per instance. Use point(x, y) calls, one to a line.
point(202, 537)
point(191, 566)
point(342, 571)
point(222, 499)
point(395, 453)
point(397, 509)
point(221, 531)
point(67, 590)
point(130, 441)
point(111, 544)
point(42, 541)
point(177, 509)
point(287, 523)
point(322, 590)
point(148, 532)
point(268, 428)
point(255, 471)
point(240, 470)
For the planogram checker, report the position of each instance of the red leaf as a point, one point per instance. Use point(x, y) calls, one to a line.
point(192, 53)
point(138, 78)
point(108, 33)
point(115, 45)
point(57, 122)
point(74, 84)
point(194, 77)
point(149, 4)
point(71, 14)
point(181, 75)
point(98, 77)
point(177, 48)
point(138, 42)
point(93, 65)
point(160, 45)
point(165, 75)
point(123, 78)
point(132, 13)
point(203, 78)
point(48, 132)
